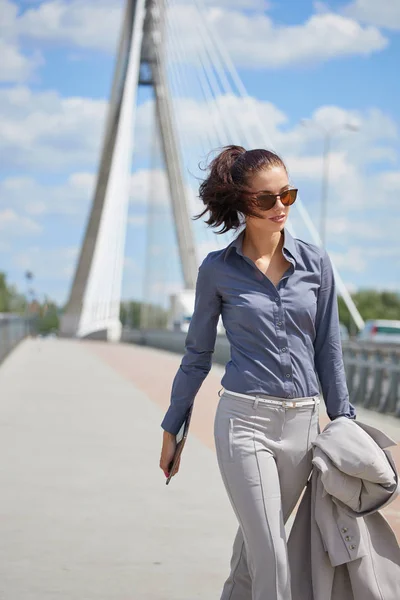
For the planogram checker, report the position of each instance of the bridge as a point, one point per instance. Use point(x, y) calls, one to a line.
point(86, 513)
point(85, 509)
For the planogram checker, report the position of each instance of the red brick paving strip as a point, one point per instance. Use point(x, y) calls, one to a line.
point(152, 371)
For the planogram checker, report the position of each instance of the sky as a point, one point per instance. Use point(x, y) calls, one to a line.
point(306, 66)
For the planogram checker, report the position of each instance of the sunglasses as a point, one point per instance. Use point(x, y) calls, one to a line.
point(267, 201)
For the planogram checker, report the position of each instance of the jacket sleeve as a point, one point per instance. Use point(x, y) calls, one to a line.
point(328, 355)
point(199, 347)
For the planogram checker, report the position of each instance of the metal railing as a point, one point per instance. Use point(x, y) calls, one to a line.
point(13, 329)
point(373, 375)
point(372, 370)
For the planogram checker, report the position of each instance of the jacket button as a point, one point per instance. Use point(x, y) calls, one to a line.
point(344, 529)
point(352, 547)
point(348, 538)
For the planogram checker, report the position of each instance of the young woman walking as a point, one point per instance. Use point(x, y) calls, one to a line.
point(278, 302)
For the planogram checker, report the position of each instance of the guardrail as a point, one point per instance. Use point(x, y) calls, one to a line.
point(373, 375)
point(13, 329)
point(372, 370)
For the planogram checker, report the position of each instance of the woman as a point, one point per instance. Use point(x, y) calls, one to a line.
point(278, 302)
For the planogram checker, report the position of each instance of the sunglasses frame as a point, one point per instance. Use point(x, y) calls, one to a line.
point(276, 196)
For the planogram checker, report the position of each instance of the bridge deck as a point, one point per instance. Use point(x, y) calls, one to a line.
point(85, 510)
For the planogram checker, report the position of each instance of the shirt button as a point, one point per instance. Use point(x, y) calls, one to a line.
point(277, 299)
point(284, 349)
point(288, 375)
point(279, 323)
point(289, 396)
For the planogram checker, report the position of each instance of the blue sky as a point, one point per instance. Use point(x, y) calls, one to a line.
point(332, 63)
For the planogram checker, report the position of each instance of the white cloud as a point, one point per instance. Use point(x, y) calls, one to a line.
point(36, 199)
point(55, 264)
point(12, 224)
point(258, 5)
point(216, 242)
point(137, 220)
point(255, 41)
point(15, 66)
point(252, 38)
point(353, 259)
point(356, 195)
point(389, 183)
point(164, 288)
point(91, 24)
point(44, 130)
point(145, 182)
point(346, 226)
point(131, 266)
point(385, 13)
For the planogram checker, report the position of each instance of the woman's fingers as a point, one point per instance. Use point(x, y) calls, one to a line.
point(167, 454)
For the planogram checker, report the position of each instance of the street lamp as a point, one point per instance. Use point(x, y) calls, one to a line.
point(327, 136)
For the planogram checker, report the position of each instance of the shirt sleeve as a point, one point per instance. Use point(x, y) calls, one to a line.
point(328, 347)
point(199, 347)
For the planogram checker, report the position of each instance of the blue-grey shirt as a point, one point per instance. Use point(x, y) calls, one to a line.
point(281, 337)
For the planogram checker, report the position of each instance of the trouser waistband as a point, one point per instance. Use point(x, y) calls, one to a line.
point(274, 400)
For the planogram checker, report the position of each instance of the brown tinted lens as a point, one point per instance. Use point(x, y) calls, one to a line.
point(288, 197)
point(266, 201)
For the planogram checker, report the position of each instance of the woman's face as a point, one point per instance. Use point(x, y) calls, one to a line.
point(273, 180)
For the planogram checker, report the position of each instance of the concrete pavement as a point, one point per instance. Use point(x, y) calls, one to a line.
point(85, 512)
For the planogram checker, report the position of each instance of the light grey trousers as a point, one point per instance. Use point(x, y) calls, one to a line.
point(264, 455)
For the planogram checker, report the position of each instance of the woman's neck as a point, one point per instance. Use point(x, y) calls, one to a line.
point(258, 243)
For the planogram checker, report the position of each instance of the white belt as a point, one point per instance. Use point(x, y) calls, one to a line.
point(285, 403)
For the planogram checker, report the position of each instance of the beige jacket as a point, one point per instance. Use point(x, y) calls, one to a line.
point(340, 547)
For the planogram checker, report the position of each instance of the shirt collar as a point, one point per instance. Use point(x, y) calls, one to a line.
point(289, 244)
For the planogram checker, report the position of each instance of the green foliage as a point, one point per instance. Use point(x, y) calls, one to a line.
point(133, 314)
point(137, 314)
point(5, 296)
point(372, 305)
point(48, 320)
point(45, 317)
point(10, 299)
point(130, 314)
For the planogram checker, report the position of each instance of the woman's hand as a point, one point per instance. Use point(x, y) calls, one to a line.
point(167, 453)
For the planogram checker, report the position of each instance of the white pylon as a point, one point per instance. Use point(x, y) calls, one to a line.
point(94, 304)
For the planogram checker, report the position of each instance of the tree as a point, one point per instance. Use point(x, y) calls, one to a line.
point(48, 320)
point(132, 312)
point(10, 299)
point(5, 297)
point(372, 305)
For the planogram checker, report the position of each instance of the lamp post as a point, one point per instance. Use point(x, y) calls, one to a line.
point(327, 142)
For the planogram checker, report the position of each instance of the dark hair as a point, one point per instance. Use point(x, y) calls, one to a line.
point(225, 192)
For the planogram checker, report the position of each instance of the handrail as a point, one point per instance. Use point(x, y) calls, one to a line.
point(372, 369)
point(13, 329)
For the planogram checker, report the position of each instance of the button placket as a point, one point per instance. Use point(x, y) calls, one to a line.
point(284, 351)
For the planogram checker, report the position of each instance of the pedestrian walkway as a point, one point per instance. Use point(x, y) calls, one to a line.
point(85, 512)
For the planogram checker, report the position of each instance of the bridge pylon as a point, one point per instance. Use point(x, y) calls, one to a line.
point(93, 306)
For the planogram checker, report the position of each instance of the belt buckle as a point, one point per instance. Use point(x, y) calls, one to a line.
point(289, 403)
